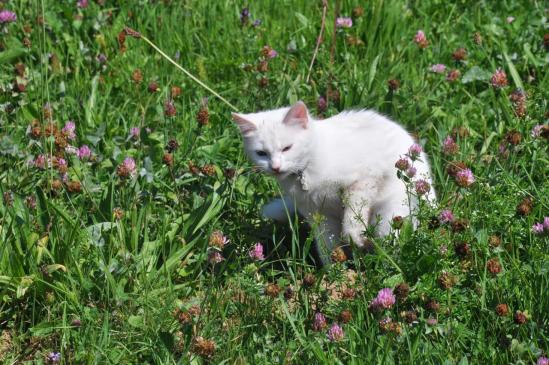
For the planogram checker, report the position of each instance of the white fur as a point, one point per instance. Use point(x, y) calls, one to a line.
point(348, 170)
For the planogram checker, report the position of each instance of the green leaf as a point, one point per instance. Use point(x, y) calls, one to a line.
point(475, 73)
point(513, 71)
point(135, 321)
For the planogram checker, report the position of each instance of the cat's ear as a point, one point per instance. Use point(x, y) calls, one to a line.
point(297, 115)
point(246, 127)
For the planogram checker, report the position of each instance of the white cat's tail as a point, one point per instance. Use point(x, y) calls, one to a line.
point(279, 209)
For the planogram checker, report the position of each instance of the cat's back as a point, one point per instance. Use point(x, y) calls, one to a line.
point(364, 125)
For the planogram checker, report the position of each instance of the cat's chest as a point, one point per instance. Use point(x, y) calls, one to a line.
point(314, 196)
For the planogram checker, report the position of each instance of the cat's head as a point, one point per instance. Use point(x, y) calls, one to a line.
point(277, 141)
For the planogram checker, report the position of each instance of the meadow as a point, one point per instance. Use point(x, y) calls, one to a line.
point(130, 219)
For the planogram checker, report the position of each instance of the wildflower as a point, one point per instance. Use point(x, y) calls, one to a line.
point(502, 310)
point(203, 347)
point(348, 293)
point(459, 54)
point(411, 172)
point(153, 87)
point(345, 316)
point(542, 361)
point(443, 250)
point(288, 293)
point(321, 105)
point(256, 23)
point(465, 178)
point(208, 170)
point(343, 22)
point(244, 16)
point(30, 202)
point(446, 280)
point(525, 207)
point(402, 164)
point(137, 76)
point(74, 187)
point(319, 323)
point(510, 19)
point(459, 225)
point(394, 84)
point(82, 4)
point(60, 164)
point(414, 151)
point(520, 317)
point(135, 132)
point(338, 255)
point(462, 249)
point(431, 321)
point(446, 216)
point(167, 158)
point(84, 152)
point(513, 137)
point(401, 291)
point(477, 38)
point(76, 322)
point(309, 280)
point(536, 131)
point(218, 240)
point(268, 52)
point(453, 75)
point(172, 145)
point(169, 108)
point(432, 305)
point(272, 290)
point(494, 240)
point(421, 40)
point(397, 222)
point(40, 162)
point(358, 11)
point(256, 252)
point(101, 58)
point(422, 187)
point(438, 68)
point(499, 79)
point(546, 223)
point(409, 316)
point(493, 266)
point(384, 299)
point(449, 146)
point(175, 91)
point(118, 213)
point(53, 357)
point(215, 257)
point(538, 228)
point(68, 130)
point(7, 16)
point(127, 168)
point(56, 184)
point(203, 115)
point(335, 333)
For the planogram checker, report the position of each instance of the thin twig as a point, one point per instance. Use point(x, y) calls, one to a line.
point(187, 72)
point(319, 39)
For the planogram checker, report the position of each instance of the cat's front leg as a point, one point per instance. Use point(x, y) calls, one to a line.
point(357, 209)
point(280, 210)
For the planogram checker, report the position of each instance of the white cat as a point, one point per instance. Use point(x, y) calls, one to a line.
point(341, 169)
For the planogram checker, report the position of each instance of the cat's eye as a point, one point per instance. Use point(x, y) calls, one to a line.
point(287, 148)
point(261, 153)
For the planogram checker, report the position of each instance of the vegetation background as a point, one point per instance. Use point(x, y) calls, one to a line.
point(136, 247)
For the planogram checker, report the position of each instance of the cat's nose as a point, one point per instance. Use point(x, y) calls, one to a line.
point(276, 169)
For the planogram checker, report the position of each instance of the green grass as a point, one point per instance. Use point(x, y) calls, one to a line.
point(131, 281)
